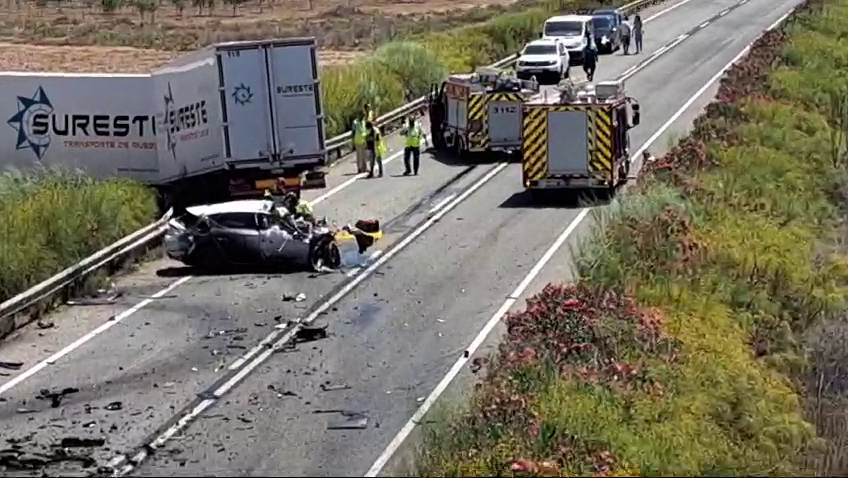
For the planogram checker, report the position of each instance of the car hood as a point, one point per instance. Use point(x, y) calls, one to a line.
point(535, 58)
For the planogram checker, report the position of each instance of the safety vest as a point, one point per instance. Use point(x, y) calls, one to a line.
point(358, 132)
point(382, 150)
point(413, 136)
point(303, 208)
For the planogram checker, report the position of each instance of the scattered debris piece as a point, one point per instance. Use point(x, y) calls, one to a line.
point(153, 297)
point(207, 395)
point(327, 387)
point(11, 365)
point(420, 399)
point(168, 385)
point(213, 334)
point(309, 333)
point(114, 406)
point(26, 410)
point(77, 442)
point(89, 424)
point(244, 419)
point(45, 324)
point(194, 369)
point(55, 397)
point(300, 297)
point(108, 300)
point(351, 422)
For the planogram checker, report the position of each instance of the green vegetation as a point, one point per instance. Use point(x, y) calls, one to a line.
point(55, 219)
point(408, 68)
point(706, 335)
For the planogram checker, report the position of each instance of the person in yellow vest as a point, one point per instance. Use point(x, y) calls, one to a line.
point(413, 133)
point(358, 131)
point(376, 148)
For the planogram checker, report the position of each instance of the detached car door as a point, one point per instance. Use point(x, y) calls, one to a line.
point(236, 236)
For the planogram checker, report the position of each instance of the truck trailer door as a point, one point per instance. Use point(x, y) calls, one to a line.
point(296, 102)
point(504, 123)
point(249, 134)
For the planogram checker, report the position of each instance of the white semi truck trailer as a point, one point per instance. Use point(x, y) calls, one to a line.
point(230, 120)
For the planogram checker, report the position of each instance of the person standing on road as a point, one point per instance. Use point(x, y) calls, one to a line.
point(626, 28)
point(637, 33)
point(375, 147)
point(358, 130)
point(413, 133)
point(590, 60)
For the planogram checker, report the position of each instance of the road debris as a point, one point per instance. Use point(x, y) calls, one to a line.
point(55, 397)
point(113, 295)
point(300, 297)
point(310, 333)
point(221, 333)
point(114, 406)
point(78, 442)
point(11, 365)
point(45, 324)
point(351, 421)
point(328, 387)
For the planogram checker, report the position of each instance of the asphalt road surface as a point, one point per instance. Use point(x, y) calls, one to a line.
point(459, 239)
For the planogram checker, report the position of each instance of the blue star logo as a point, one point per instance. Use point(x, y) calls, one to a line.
point(242, 94)
point(169, 103)
point(22, 122)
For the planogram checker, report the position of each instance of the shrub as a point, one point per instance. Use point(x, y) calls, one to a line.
point(728, 247)
point(53, 219)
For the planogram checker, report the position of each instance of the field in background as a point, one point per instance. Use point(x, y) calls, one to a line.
point(150, 32)
point(706, 336)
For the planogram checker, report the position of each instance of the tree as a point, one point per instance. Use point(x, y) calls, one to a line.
point(110, 6)
point(146, 6)
point(235, 4)
point(180, 6)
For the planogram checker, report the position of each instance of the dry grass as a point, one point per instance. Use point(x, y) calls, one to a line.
point(155, 29)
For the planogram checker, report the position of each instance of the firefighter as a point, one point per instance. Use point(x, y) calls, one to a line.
point(376, 148)
point(358, 130)
point(413, 133)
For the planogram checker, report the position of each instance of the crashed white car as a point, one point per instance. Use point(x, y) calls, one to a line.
point(259, 233)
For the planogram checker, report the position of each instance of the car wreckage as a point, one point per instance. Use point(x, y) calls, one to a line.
point(260, 232)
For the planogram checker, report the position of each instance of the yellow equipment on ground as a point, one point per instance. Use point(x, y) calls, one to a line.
point(479, 112)
point(578, 137)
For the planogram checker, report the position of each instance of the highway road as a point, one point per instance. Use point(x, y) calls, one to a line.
point(185, 356)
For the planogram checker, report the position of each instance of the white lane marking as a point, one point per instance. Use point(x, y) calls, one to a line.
point(402, 435)
point(32, 371)
point(85, 338)
point(637, 68)
point(248, 368)
point(441, 203)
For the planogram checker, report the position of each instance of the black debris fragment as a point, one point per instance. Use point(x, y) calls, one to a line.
point(26, 410)
point(207, 395)
point(57, 396)
point(79, 442)
point(114, 406)
point(244, 419)
point(45, 324)
point(11, 365)
point(296, 298)
point(309, 333)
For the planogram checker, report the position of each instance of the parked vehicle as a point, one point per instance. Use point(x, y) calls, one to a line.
point(605, 25)
point(546, 59)
point(575, 31)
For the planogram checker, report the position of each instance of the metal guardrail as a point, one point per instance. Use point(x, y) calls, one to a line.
point(338, 146)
